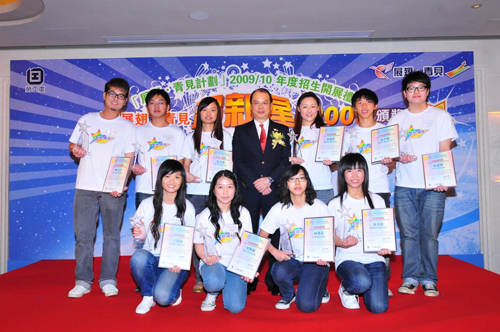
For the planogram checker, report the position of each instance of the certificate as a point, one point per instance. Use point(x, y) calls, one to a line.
point(155, 165)
point(439, 169)
point(385, 143)
point(319, 239)
point(176, 247)
point(378, 230)
point(218, 160)
point(330, 143)
point(117, 175)
point(247, 257)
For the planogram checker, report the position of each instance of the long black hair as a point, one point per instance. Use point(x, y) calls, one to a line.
point(348, 162)
point(318, 121)
point(217, 132)
point(284, 192)
point(169, 166)
point(213, 207)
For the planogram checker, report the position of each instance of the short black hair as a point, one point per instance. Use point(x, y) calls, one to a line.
point(119, 83)
point(261, 90)
point(368, 94)
point(157, 92)
point(417, 76)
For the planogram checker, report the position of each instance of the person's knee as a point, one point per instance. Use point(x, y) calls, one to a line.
point(212, 284)
point(235, 308)
point(163, 297)
point(377, 307)
point(139, 258)
point(306, 306)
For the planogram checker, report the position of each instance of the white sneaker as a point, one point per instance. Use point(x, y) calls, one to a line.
point(109, 290)
point(179, 299)
point(209, 303)
point(326, 297)
point(348, 301)
point(146, 304)
point(283, 304)
point(78, 291)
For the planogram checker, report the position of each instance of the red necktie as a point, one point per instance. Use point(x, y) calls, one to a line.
point(262, 138)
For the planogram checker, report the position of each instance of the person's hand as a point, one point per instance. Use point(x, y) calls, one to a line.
point(139, 231)
point(262, 184)
point(211, 259)
point(321, 262)
point(327, 162)
point(138, 169)
point(384, 252)
point(407, 158)
point(116, 193)
point(266, 191)
point(190, 178)
point(175, 269)
point(78, 151)
point(247, 279)
point(386, 161)
point(441, 188)
point(349, 241)
point(295, 160)
point(282, 255)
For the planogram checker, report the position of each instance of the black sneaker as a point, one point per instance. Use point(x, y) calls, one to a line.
point(407, 288)
point(283, 304)
point(430, 290)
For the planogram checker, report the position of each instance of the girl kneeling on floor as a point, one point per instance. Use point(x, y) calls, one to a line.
point(219, 228)
point(361, 273)
point(168, 205)
point(297, 201)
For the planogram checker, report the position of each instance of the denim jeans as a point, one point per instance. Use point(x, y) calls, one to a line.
point(86, 208)
point(324, 195)
point(198, 202)
point(312, 280)
point(419, 213)
point(368, 280)
point(163, 285)
point(234, 289)
point(139, 197)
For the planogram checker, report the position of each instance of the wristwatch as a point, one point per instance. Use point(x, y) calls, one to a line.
point(271, 181)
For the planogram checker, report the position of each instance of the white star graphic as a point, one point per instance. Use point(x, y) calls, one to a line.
point(244, 66)
point(320, 76)
point(287, 64)
point(460, 195)
point(470, 172)
point(354, 133)
point(344, 212)
point(292, 135)
point(205, 66)
point(203, 231)
point(84, 126)
point(276, 66)
point(461, 143)
point(267, 63)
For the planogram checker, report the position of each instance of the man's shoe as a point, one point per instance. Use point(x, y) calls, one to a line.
point(326, 297)
point(389, 293)
point(78, 291)
point(348, 301)
point(430, 290)
point(283, 304)
point(179, 299)
point(407, 288)
point(209, 303)
point(198, 287)
point(109, 290)
point(146, 304)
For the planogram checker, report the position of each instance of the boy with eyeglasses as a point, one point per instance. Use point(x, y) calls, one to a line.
point(420, 212)
point(106, 134)
point(156, 138)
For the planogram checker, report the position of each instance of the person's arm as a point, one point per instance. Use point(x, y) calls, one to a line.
point(189, 177)
point(77, 151)
point(278, 254)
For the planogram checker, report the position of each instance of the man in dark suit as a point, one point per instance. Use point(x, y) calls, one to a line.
point(259, 158)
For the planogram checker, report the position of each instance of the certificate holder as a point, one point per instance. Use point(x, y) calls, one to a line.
point(319, 239)
point(439, 168)
point(155, 165)
point(385, 143)
point(218, 160)
point(378, 230)
point(330, 143)
point(248, 256)
point(117, 175)
point(176, 247)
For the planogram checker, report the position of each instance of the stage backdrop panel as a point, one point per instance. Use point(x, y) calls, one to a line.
point(47, 97)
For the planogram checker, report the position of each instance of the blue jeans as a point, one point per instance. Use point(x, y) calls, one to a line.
point(198, 202)
point(419, 213)
point(163, 285)
point(234, 289)
point(368, 280)
point(139, 197)
point(312, 280)
point(86, 208)
point(324, 195)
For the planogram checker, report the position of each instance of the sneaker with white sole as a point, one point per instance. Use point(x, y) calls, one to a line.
point(430, 290)
point(146, 304)
point(78, 291)
point(326, 297)
point(348, 301)
point(209, 303)
point(109, 290)
point(179, 299)
point(407, 288)
point(389, 293)
point(284, 304)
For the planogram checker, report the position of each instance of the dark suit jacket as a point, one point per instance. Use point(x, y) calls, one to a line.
point(250, 163)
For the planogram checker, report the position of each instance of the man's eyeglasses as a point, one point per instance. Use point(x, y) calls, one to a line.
point(113, 94)
point(420, 88)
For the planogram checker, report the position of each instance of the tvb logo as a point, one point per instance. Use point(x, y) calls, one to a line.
point(35, 76)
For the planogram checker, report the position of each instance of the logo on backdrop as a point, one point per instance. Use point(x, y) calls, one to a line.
point(35, 77)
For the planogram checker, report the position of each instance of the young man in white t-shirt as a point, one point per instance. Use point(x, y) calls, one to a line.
point(109, 135)
point(420, 212)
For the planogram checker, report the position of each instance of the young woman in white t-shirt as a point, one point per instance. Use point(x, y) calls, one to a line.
point(308, 120)
point(219, 228)
point(168, 205)
point(361, 273)
point(207, 134)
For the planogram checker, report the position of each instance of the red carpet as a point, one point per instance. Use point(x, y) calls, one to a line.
point(34, 298)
